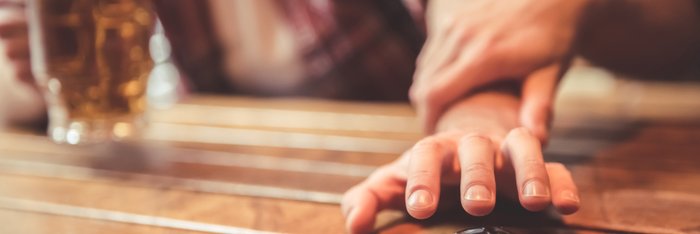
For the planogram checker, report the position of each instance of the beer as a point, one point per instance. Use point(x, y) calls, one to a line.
point(91, 59)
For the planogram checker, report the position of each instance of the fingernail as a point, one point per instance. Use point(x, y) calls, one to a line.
point(569, 195)
point(535, 188)
point(420, 199)
point(477, 193)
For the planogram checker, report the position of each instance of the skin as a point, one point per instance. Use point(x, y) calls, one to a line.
point(525, 41)
point(481, 141)
point(478, 143)
point(473, 43)
point(20, 101)
point(529, 43)
point(476, 137)
point(14, 43)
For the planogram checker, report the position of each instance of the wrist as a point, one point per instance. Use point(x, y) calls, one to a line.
point(491, 109)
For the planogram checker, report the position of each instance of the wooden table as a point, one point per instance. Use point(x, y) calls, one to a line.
point(235, 164)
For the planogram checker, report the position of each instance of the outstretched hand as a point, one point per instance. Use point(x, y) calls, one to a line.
point(480, 148)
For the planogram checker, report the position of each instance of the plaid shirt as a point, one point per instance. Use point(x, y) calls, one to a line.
point(362, 49)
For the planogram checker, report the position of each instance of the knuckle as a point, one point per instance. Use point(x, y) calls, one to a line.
point(462, 32)
point(426, 85)
point(475, 139)
point(445, 24)
point(428, 143)
point(415, 94)
point(426, 148)
point(421, 175)
point(480, 169)
point(489, 47)
point(520, 132)
point(432, 96)
point(425, 94)
point(534, 169)
point(534, 163)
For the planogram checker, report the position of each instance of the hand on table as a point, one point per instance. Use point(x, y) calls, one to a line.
point(474, 43)
point(481, 149)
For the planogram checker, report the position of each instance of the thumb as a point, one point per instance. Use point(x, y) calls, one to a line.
point(539, 90)
point(360, 205)
point(359, 208)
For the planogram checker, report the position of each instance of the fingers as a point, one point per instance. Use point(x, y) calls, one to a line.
point(478, 184)
point(564, 192)
point(415, 177)
point(418, 178)
point(423, 180)
point(539, 91)
point(524, 151)
point(360, 205)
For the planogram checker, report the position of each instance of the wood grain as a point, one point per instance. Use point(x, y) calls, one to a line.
point(281, 165)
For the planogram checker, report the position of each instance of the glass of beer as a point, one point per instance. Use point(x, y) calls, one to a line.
point(91, 60)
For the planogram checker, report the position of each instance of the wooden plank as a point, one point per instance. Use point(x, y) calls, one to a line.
point(613, 200)
point(23, 142)
point(641, 201)
point(173, 164)
point(234, 211)
point(145, 180)
point(303, 104)
point(32, 222)
point(219, 135)
point(240, 117)
point(634, 175)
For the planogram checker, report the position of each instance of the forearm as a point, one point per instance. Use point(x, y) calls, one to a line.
point(643, 38)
